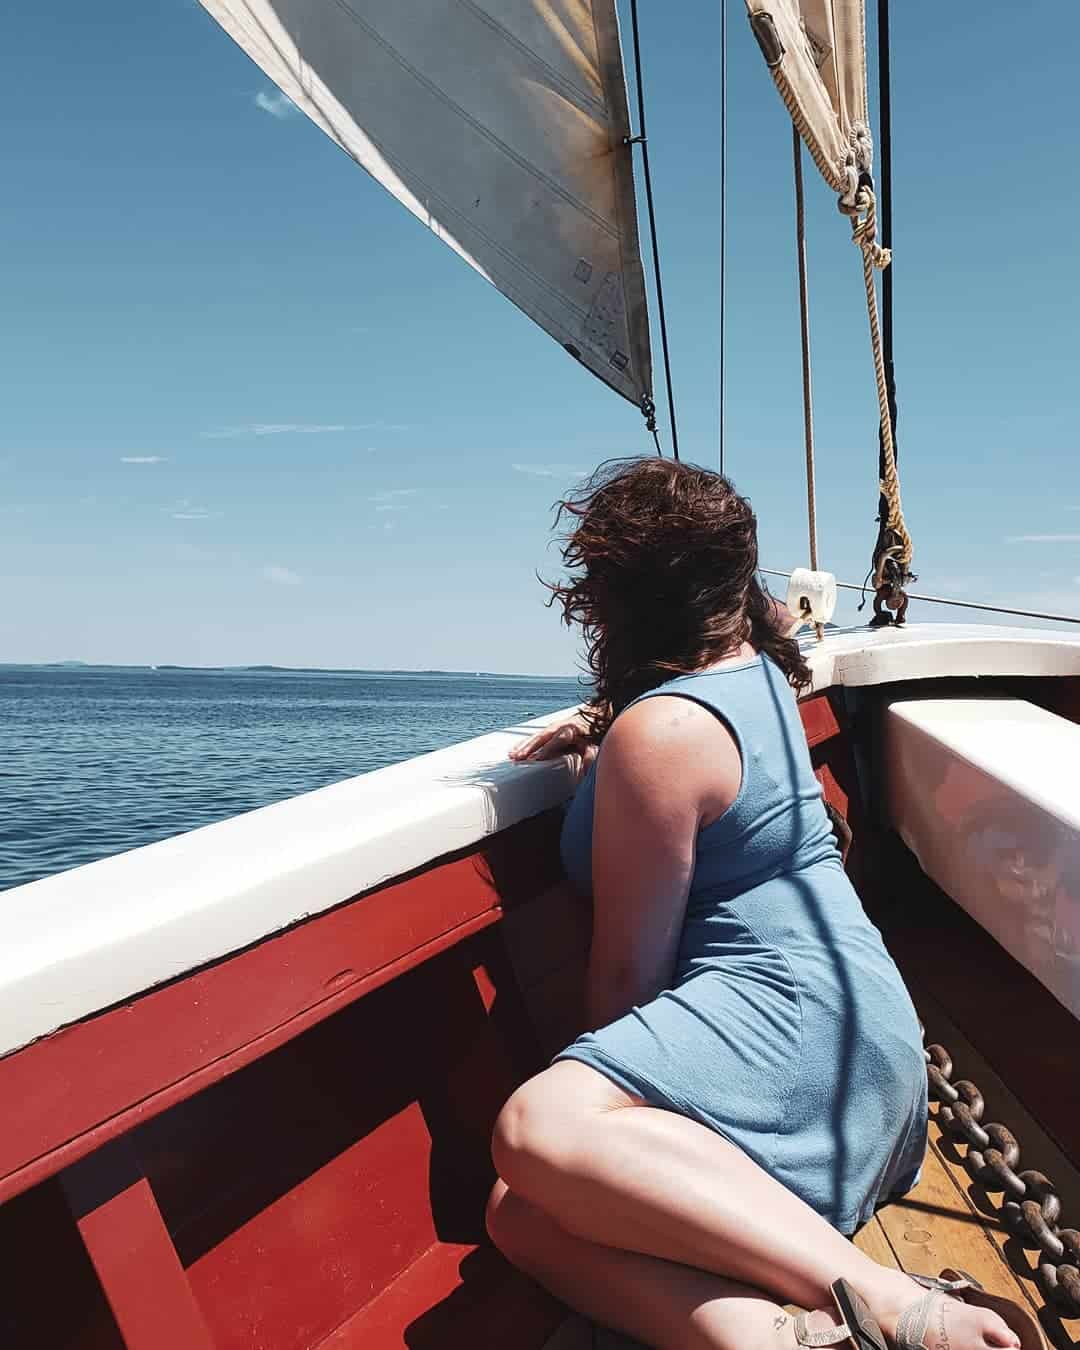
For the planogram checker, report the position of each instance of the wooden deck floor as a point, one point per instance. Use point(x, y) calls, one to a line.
point(948, 1220)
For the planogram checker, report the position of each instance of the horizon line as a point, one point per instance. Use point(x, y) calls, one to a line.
point(266, 667)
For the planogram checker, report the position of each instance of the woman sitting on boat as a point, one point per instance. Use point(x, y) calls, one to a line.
point(754, 1083)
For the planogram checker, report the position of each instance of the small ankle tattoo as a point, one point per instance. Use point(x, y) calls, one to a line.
point(943, 1335)
point(779, 1321)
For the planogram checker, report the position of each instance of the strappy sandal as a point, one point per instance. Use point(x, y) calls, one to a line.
point(857, 1328)
point(914, 1321)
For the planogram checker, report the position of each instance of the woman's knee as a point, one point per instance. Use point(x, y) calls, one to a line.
point(548, 1125)
point(522, 1132)
point(534, 1130)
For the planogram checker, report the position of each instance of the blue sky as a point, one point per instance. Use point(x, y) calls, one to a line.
point(254, 412)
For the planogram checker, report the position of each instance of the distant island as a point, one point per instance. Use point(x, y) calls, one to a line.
point(90, 666)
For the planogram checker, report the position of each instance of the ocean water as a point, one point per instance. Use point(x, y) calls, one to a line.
point(95, 760)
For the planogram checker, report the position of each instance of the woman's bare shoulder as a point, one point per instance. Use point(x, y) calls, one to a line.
point(673, 744)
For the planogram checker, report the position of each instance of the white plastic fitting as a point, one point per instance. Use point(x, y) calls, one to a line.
point(811, 597)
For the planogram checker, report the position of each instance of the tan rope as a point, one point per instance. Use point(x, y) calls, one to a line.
point(807, 383)
point(864, 235)
point(836, 181)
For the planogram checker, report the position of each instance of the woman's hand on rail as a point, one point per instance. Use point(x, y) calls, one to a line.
point(562, 738)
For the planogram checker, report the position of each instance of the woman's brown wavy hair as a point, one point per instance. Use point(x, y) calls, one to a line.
point(663, 560)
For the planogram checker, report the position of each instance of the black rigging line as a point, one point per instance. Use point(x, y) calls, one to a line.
point(642, 140)
point(723, 222)
point(884, 201)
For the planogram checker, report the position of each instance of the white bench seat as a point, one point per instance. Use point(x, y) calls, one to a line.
point(986, 794)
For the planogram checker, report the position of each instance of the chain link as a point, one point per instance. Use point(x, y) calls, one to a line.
point(1031, 1206)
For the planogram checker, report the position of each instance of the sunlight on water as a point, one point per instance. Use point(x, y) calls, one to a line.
point(95, 761)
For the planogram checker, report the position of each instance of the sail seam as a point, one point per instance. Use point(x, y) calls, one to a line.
point(556, 188)
point(505, 282)
point(586, 102)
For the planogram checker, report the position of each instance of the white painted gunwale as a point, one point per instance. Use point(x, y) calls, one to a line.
point(985, 793)
point(85, 939)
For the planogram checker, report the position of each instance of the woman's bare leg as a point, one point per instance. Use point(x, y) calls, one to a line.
point(619, 1174)
point(663, 1305)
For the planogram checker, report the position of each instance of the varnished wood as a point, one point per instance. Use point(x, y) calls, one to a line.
point(934, 1227)
point(874, 1242)
point(1038, 1151)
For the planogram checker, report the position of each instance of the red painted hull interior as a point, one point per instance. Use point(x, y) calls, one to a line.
point(289, 1149)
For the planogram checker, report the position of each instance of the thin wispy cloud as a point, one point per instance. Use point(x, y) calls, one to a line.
point(1043, 539)
point(276, 103)
point(280, 576)
point(390, 499)
point(143, 459)
point(277, 429)
point(186, 510)
point(550, 470)
point(299, 429)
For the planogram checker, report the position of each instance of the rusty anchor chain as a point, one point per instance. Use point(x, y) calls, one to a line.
point(1031, 1206)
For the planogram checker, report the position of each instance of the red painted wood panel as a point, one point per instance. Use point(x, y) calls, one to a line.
point(50, 1296)
point(325, 1247)
point(455, 1297)
point(72, 1091)
point(130, 1248)
point(819, 719)
point(299, 1188)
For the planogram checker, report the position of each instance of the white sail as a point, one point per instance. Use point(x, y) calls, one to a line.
point(816, 52)
point(500, 124)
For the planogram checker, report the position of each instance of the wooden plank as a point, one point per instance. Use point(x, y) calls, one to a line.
point(1038, 1151)
point(934, 1227)
point(873, 1242)
point(126, 1239)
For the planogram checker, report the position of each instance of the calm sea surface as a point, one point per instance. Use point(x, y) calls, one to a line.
point(95, 760)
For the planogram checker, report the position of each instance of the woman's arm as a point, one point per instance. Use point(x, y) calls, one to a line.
point(668, 767)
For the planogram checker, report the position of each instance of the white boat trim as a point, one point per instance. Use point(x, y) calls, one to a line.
point(85, 939)
point(985, 793)
point(923, 651)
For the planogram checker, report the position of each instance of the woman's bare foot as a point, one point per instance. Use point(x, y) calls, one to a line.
point(949, 1323)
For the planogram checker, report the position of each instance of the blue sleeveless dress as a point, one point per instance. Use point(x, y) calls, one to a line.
point(787, 1028)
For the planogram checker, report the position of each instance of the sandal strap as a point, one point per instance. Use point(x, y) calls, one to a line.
point(829, 1336)
point(915, 1319)
point(940, 1285)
